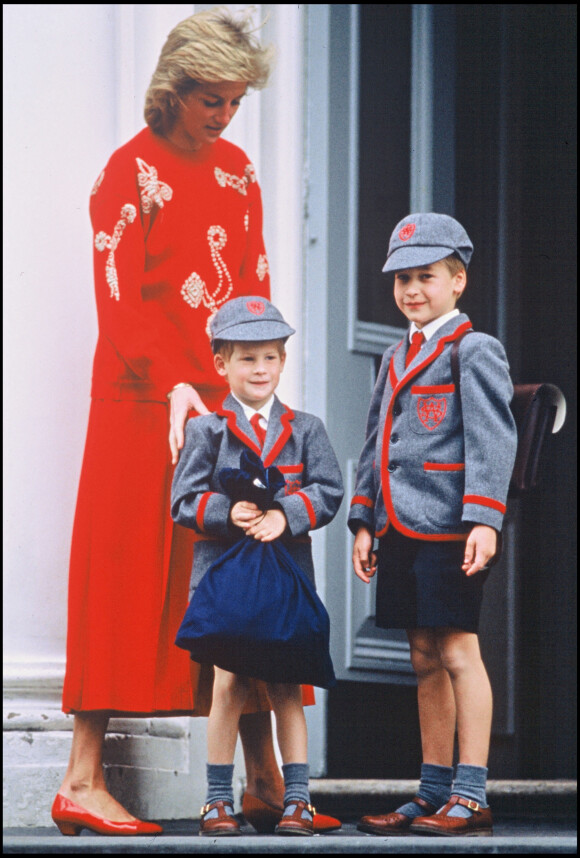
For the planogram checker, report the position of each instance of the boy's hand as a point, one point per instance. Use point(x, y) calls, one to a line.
point(364, 560)
point(480, 547)
point(244, 514)
point(269, 527)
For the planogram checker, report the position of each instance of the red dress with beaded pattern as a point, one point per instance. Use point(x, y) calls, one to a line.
point(176, 234)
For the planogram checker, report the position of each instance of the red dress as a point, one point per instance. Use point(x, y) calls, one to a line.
point(176, 234)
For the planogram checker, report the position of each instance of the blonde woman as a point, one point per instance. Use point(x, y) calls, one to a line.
point(177, 218)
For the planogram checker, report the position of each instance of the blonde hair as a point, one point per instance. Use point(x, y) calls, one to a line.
point(211, 46)
point(454, 264)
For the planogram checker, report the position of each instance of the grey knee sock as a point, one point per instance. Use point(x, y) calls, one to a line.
point(435, 787)
point(296, 777)
point(469, 783)
point(219, 786)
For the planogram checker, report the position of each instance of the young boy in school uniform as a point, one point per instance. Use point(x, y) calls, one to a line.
point(248, 337)
point(432, 485)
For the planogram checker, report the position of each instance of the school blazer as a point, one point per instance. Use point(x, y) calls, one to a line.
point(296, 443)
point(433, 463)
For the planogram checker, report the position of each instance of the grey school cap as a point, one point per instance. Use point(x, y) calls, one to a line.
point(249, 319)
point(420, 239)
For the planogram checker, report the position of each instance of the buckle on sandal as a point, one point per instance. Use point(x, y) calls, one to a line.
point(472, 805)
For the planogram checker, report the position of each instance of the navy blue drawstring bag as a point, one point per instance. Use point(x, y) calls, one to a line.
point(255, 613)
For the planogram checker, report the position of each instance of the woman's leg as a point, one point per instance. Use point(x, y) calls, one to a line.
point(84, 781)
point(435, 697)
point(461, 657)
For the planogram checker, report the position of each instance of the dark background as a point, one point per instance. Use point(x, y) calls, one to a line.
point(520, 60)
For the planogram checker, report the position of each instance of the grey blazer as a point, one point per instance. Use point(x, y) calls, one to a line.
point(433, 464)
point(296, 443)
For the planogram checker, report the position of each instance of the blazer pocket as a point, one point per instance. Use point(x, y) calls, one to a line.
point(443, 493)
point(293, 476)
point(433, 409)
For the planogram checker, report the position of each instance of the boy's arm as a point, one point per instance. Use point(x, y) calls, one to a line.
point(319, 498)
point(364, 560)
point(490, 434)
point(193, 503)
point(480, 548)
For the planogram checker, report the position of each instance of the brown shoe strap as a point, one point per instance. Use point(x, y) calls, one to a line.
point(466, 802)
point(424, 804)
point(219, 806)
point(300, 806)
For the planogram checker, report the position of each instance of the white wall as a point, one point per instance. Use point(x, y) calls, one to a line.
point(74, 83)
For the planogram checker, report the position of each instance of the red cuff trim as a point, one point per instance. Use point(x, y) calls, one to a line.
point(435, 466)
point(362, 500)
point(201, 509)
point(309, 508)
point(290, 469)
point(483, 501)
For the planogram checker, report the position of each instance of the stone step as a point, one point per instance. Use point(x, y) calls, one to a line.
point(518, 798)
point(181, 837)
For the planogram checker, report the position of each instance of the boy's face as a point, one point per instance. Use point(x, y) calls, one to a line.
point(428, 292)
point(253, 371)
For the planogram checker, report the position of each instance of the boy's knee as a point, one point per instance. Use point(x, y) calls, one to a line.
point(230, 685)
point(425, 656)
point(283, 692)
point(458, 655)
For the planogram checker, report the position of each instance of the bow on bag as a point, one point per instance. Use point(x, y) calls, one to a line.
point(255, 613)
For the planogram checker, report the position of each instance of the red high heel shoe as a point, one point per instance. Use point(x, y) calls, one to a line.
point(70, 818)
point(265, 817)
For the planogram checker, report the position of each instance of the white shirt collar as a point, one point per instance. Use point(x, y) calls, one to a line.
point(431, 327)
point(264, 411)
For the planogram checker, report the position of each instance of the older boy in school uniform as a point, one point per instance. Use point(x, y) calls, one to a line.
point(432, 485)
point(248, 336)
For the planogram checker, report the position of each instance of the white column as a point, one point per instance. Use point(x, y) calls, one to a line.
point(75, 79)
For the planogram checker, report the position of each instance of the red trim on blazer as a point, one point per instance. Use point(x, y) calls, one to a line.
point(309, 508)
point(285, 419)
point(406, 531)
point(435, 466)
point(381, 533)
point(232, 419)
point(392, 374)
point(291, 469)
point(483, 501)
point(201, 509)
point(434, 389)
point(363, 501)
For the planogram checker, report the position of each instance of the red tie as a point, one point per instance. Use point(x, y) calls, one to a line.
point(416, 342)
point(261, 433)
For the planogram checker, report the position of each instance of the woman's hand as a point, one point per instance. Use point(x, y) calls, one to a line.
point(182, 400)
point(480, 547)
point(364, 560)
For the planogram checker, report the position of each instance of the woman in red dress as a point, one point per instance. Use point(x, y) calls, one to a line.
point(177, 218)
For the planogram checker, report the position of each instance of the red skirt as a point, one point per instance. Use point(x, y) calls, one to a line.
point(129, 576)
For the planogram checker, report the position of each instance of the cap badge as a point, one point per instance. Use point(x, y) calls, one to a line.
point(256, 307)
point(407, 231)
